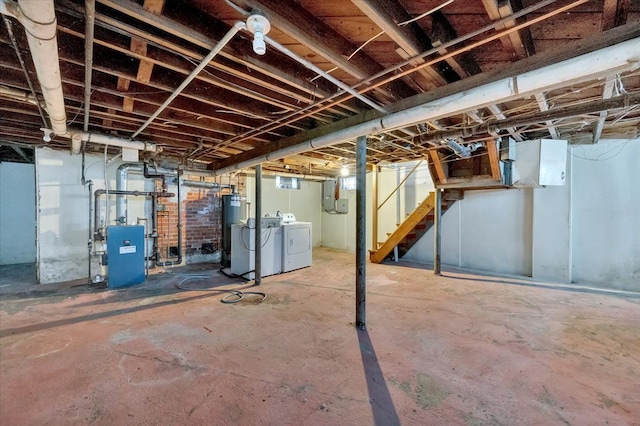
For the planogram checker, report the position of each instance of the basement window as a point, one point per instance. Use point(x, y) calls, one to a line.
point(287, 182)
point(348, 183)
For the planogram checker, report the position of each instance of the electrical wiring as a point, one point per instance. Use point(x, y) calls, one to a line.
point(233, 296)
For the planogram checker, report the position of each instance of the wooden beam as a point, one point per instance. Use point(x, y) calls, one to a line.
point(495, 110)
point(494, 159)
point(198, 32)
point(411, 39)
point(607, 91)
point(442, 32)
point(544, 106)
point(546, 59)
point(153, 6)
point(518, 43)
point(437, 165)
point(296, 22)
point(127, 104)
point(614, 13)
point(123, 84)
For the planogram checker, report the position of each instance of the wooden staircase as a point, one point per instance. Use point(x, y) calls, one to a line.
point(411, 230)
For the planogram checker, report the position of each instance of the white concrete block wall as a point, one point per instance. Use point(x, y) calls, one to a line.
point(63, 211)
point(586, 232)
point(17, 213)
point(606, 214)
point(305, 203)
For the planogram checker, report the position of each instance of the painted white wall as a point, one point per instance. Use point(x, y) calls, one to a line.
point(552, 231)
point(587, 231)
point(488, 230)
point(606, 214)
point(305, 203)
point(338, 230)
point(17, 213)
point(63, 211)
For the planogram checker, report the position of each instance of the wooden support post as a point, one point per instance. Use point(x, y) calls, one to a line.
point(494, 159)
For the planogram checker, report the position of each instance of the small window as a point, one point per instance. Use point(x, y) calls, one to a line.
point(348, 183)
point(287, 182)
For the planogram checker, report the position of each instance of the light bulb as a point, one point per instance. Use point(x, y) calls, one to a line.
point(259, 26)
point(344, 171)
point(258, 43)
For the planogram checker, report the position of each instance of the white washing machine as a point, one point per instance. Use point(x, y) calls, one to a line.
point(243, 245)
point(297, 240)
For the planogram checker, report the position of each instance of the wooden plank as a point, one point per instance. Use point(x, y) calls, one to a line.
point(298, 23)
point(494, 159)
point(138, 46)
point(386, 14)
point(404, 229)
point(153, 6)
point(145, 69)
point(544, 106)
point(437, 164)
point(127, 104)
point(123, 84)
point(560, 53)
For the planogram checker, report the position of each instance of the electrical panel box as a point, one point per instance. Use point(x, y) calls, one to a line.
point(540, 162)
point(125, 251)
point(329, 195)
point(342, 205)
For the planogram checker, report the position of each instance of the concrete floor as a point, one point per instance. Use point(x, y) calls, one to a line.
point(460, 349)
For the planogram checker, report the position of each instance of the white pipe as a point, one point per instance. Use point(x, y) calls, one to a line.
point(114, 141)
point(76, 143)
point(285, 174)
point(324, 74)
point(205, 61)
point(621, 57)
point(39, 20)
point(20, 95)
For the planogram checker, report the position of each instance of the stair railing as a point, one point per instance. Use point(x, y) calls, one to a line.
point(376, 207)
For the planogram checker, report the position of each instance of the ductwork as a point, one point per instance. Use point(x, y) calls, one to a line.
point(462, 151)
point(39, 20)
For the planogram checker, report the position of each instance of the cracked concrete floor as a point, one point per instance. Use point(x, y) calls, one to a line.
point(459, 349)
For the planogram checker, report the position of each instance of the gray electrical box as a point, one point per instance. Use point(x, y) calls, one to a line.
point(328, 195)
point(342, 205)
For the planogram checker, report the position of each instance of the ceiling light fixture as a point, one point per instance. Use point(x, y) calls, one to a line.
point(47, 134)
point(259, 25)
point(344, 171)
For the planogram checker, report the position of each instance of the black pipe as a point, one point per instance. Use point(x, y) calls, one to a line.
point(178, 260)
point(99, 192)
point(156, 175)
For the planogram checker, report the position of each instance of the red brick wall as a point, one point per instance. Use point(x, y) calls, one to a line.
point(201, 217)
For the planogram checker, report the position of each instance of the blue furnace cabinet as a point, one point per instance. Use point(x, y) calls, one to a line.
point(125, 251)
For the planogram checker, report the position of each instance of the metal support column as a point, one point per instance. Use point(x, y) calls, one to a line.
point(361, 231)
point(258, 247)
point(436, 232)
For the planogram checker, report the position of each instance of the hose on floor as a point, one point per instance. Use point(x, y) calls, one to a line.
point(234, 295)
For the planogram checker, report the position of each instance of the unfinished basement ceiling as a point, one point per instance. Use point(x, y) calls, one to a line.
point(393, 54)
